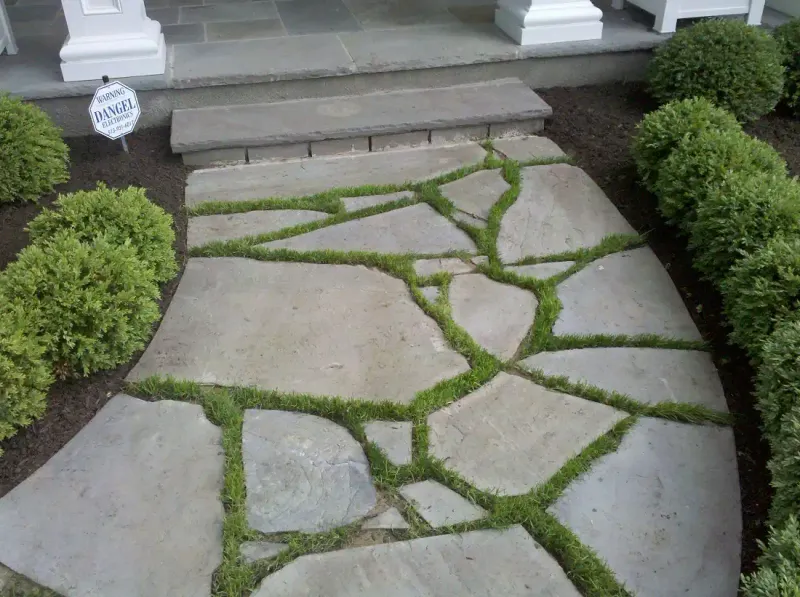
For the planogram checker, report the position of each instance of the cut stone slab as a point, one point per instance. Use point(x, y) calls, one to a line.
point(393, 437)
point(479, 260)
point(302, 473)
point(309, 328)
point(559, 209)
point(624, 293)
point(477, 193)
point(415, 229)
point(431, 293)
point(296, 178)
point(497, 316)
point(222, 227)
point(523, 149)
point(252, 551)
point(130, 506)
point(476, 564)
point(648, 375)
point(450, 265)
point(391, 520)
point(541, 270)
point(440, 506)
point(512, 435)
point(663, 510)
point(356, 203)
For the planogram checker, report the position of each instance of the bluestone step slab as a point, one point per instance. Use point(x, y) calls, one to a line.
point(297, 121)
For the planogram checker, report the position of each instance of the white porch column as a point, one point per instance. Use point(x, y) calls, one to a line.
point(111, 37)
point(530, 22)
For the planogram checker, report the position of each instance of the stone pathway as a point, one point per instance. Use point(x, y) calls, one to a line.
point(407, 389)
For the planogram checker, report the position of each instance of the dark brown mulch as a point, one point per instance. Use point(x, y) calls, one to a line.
point(595, 124)
point(71, 404)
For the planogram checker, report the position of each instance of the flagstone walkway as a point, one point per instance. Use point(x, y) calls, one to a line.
point(480, 382)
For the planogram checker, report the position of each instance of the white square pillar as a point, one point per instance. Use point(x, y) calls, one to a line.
point(530, 22)
point(111, 37)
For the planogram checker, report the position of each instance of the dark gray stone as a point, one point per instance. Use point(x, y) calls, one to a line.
point(210, 157)
point(184, 34)
point(255, 29)
point(379, 14)
point(165, 16)
point(440, 506)
point(228, 11)
point(278, 152)
point(302, 17)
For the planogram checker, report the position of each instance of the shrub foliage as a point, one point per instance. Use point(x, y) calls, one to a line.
point(779, 566)
point(788, 36)
point(778, 381)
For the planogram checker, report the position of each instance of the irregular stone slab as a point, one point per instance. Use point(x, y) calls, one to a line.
point(302, 473)
point(130, 506)
point(559, 209)
point(431, 293)
point(206, 229)
point(309, 328)
point(497, 316)
point(624, 293)
point(663, 510)
point(252, 551)
point(649, 375)
point(393, 437)
point(450, 265)
point(492, 562)
point(523, 149)
point(391, 520)
point(467, 219)
point(511, 435)
point(415, 229)
point(314, 175)
point(440, 506)
point(479, 260)
point(542, 270)
point(356, 203)
point(475, 194)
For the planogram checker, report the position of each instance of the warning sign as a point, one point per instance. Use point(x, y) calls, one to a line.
point(114, 110)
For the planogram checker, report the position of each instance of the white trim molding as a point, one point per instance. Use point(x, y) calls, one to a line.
point(668, 12)
point(530, 22)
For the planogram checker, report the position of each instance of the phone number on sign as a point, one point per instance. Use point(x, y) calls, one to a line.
point(118, 128)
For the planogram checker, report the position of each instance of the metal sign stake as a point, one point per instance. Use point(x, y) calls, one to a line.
point(122, 138)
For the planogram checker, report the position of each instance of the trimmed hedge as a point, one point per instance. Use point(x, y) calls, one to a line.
point(778, 379)
point(785, 468)
point(788, 36)
point(121, 215)
point(733, 65)
point(661, 131)
point(33, 157)
point(779, 566)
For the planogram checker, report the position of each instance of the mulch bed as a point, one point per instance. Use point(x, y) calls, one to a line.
point(595, 125)
point(72, 403)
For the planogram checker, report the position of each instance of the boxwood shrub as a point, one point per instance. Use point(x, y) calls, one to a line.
point(788, 36)
point(778, 380)
point(121, 215)
point(735, 66)
point(779, 565)
point(33, 157)
point(661, 131)
point(93, 303)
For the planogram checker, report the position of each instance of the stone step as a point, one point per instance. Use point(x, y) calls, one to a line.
point(375, 121)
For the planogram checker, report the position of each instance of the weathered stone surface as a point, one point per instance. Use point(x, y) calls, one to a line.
point(415, 229)
point(516, 128)
point(393, 437)
point(440, 506)
point(209, 157)
point(451, 265)
point(303, 473)
point(663, 510)
point(459, 134)
point(559, 209)
point(479, 260)
point(278, 152)
point(523, 149)
point(356, 203)
point(321, 329)
point(391, 519)
point(315, 175)
point(252, 551)
point(460, 216)
point(431, 293)
point(475, 194)
point(130, 506)
point(512, 435)
point(624, 293)
point(206, 229)
point(497, 316)
point(340, 146)
point(648, 375)
point(397, 140)
point(542, 270)
point(476, 564)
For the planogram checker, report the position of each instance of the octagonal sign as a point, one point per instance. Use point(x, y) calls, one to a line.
point(114, 110)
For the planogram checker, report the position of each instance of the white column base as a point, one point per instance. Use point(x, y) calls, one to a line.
point(557, 21)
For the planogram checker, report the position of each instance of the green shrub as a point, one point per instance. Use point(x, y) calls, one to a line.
point(120, 215)
point(779, 566)
point(32, 154)
point(94, 303)
point(762, 289)
point(788, 36)
point(785, 468)
point(24, 375)
point(739, 216)
point(735, 66)
point(661, 131)
point(778, 380)
point(702, 162)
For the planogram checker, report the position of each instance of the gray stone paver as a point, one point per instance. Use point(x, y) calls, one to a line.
point(475, 194)
point(393, 437)
point(475, 564)
point(512, 435)
point(450, 265)
point(663, 510)
point(528, 148)
point(365, 201)
point(252, 551)
point(390, 520)
point(431, 293)
point(303, 473)
point(222, 227)
point(440, 506)
point(130, 506)
point(542, 270)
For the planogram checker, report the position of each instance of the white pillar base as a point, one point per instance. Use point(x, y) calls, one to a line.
point(553, 22)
